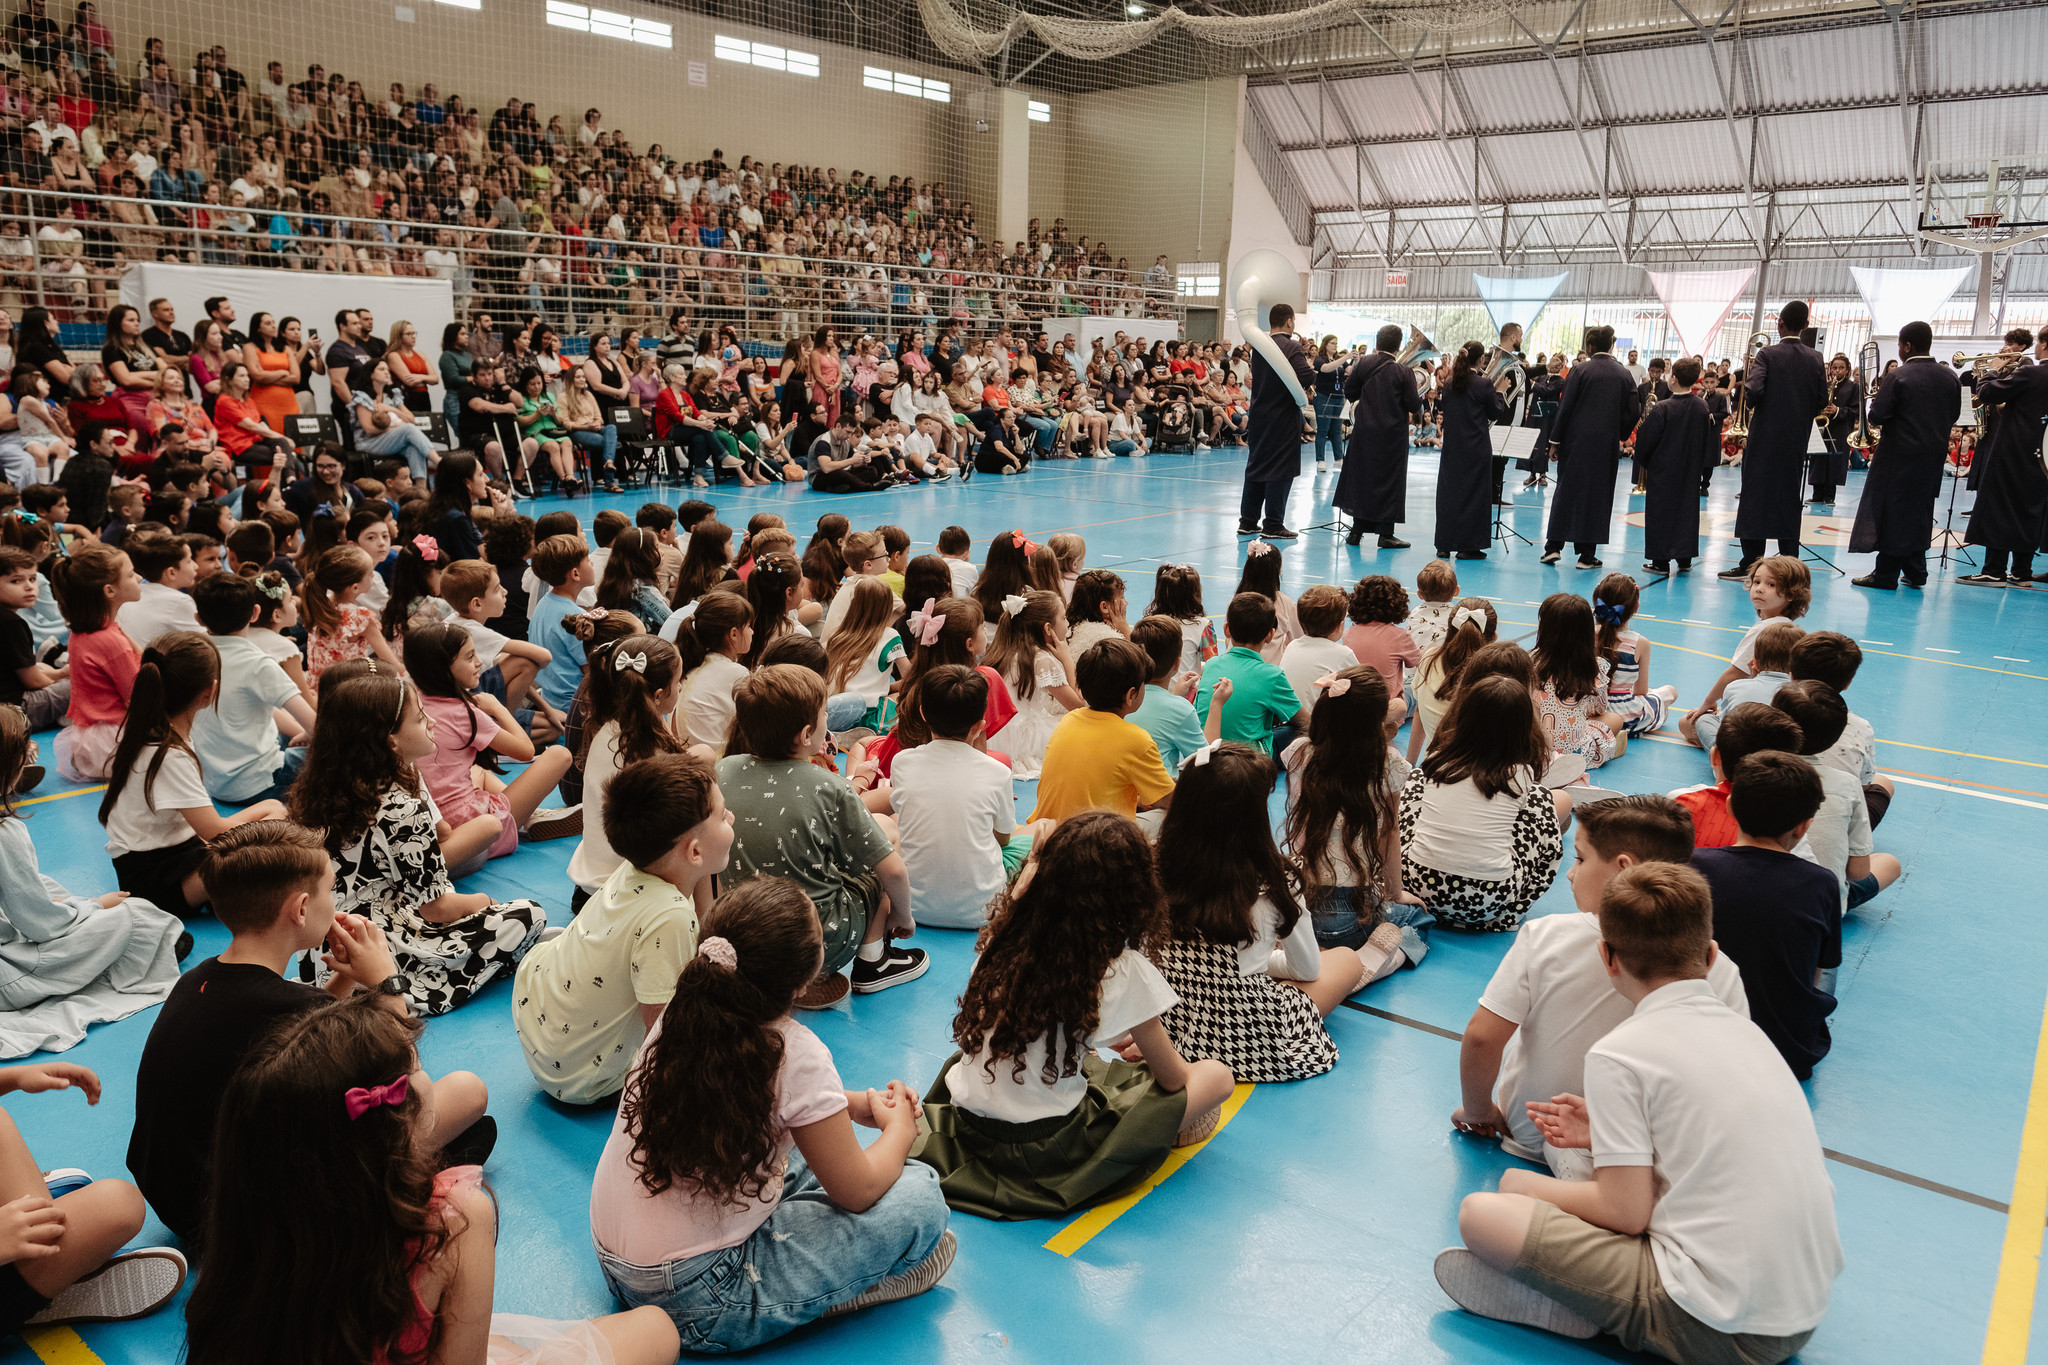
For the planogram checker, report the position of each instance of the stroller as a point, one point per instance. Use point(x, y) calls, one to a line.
point(1177, 427)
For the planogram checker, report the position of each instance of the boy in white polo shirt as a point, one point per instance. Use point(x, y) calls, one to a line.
point(237, 739)
point(1550, 999)
point(1708, 1230)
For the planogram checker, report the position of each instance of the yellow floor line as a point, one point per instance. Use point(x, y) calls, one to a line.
point(2019, 1265)
point(1960, 753)
point(1076, 1234)
point(59, 796)
point(60, 1345)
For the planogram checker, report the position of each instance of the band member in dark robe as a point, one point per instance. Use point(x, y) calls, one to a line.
point(1677, 439)
point(1544, 391)
point(1787, 387)
point(1829, 469)
point(2012, 504)
point(1714, 393)
point(1652, 390)
point(1915, 406)
point(1273, 460)
point(1464, 478)
point(1373, 489)
point(1509, 351)
point(2017, 342)
point(1597, 410)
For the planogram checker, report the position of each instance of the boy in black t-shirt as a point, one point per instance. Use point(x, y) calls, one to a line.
point(1777, 915)
point(272, 883)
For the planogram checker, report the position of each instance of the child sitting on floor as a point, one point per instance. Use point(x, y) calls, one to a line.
point(1708, 1230)
point(865, 655)
point(563, 564)
point(417, 1251)
point(625, 719)
point(1096, 759)
point(793, 819)
point(1095, 610)
point(92, 583)
point(1776, 913)
point(948, 631)
point(1631, 701)
point(1831, 657)
point(41, 691)
point(156, 809)
point(1030, 654)
point(1073, 556)
point(1840, 838)
point(1320, 651)
point(168, 572)
point(1166, 714)
point(1261, 575)
point(237, 739)
point(1241, 951)
point(1571, 682)
point(338, 627)
point(1472, 625)
point(613, 969)
point(475, 592)
point(1770, 667)
point(361, 787)
point(719, 633)
point(1378, 606)
point(1780, 588)
point(1177, 594)
point(272, 884)
point(1550, 1000)
point(1436, 594)
point(630, 573)
point(1026, 1120)
point(1261, 700)
point(1748, 729)
point(755, 1162)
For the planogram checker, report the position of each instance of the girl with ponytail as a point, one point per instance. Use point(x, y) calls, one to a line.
point(699, 1173)
point(92, 583)
point(946, 631)
point(338, 627)
point(1472, 624)
point(156, 810)
point(631, 691)
point(1630, 699)
point(711, 644)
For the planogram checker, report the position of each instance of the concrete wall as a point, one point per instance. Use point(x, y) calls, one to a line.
point(1256, 223)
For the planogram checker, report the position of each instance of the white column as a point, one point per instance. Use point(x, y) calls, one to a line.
point(1013, 164)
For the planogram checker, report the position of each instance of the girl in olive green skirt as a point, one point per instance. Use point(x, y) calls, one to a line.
point(1026, 1120)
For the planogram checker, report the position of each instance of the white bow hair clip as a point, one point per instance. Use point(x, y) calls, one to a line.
point(1012, 604)
point(1261, 547)
point(1333, 686)
point(1464, 614)
point(1200, 757)
point(623, 661)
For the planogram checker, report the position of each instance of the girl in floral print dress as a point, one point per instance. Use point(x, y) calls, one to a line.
point(381, 826)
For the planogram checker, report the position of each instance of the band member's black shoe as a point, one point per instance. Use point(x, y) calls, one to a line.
point(1587, 564)
point(1279, 533)
point(1353, 538)
point(1685, 566)
point(1550, 556)
point(1916, 584)
point(1871, 580)
point(1652, 566)
point(1471, 554)
point(1735, 575)
point(1393, 543)
point(1984, 580)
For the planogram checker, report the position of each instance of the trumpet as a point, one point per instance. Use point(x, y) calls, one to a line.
point(1990, 361)
point(1866, 370)
point(1738, 425)
point(1820, 419)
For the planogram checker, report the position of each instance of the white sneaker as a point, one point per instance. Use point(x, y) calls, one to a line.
point(556, 822)
point(699, 481)
point(132, 1285)
point(1140, 454)
point(1478, 1288)
point(1201, 449)
point(1322, 466)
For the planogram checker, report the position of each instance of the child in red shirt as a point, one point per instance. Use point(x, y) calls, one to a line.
point(92, 583)
point(1747, 729)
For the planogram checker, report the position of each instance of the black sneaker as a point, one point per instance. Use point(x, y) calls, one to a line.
point(1737, 574)
point(1550, 557)
point(1588, 564)
point(1245, 528)
point(1280, 533)
point(1987, 580)
point(1871, 580)
point(1471, 554)
point(1391, 543)
point(897, 966)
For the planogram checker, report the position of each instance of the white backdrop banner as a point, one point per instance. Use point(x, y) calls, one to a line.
point(314, 299)
point(1516, 300)
point(1897, 297)
point(1698, 302)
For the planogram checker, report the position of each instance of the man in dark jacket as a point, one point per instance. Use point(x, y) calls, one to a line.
point(1598, 409)
point(1273, 461)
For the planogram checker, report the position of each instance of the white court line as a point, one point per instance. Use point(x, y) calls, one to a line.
point(1937, 649)
point(1874, 642)
point(2008, 659)
point(1965, 791)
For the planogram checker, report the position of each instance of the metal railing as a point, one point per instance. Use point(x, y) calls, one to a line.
point(572, 281)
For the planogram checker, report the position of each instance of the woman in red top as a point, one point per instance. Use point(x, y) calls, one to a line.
point(252, 442)
point(678, 422)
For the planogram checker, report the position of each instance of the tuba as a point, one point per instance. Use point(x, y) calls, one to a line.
point(1504, 362)
point(1738, 425)
point(1261, 279)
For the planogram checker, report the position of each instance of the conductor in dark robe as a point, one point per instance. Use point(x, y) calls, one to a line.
point(1829, 469)
point(1787, 386)
point(1464, 478)
point(1678, 438)
point(2012, 503)
point(1373, 487)
point(1544, 391)
point(1273, 461)
point(1916, 406)
point(1597, 411)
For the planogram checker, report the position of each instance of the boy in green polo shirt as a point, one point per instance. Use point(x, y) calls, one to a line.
point(1261, 699)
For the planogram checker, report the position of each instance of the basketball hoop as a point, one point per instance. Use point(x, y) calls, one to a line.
point(1986, 223)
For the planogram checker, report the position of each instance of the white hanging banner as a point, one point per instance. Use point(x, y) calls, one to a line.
point(1698, 302)
point(1516, 300)
point(1897, 297)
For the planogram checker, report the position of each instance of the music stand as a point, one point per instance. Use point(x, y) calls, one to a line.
point(1816, 444)
point(1948, 538)
point(1509, 443)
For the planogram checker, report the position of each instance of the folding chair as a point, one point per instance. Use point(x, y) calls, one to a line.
point(637, 447)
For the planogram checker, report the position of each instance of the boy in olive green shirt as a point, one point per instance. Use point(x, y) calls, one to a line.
point(1261, 699)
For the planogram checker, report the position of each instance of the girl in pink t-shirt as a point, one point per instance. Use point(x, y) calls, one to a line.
point(487, 812)
point(337, 627)
point(92, 583)
point(755, 1161)
point(1379, 604)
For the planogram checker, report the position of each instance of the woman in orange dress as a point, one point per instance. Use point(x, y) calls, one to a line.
point(409, 368)
point(273, 373)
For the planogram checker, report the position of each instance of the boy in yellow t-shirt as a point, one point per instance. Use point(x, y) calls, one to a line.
point(1097, 760)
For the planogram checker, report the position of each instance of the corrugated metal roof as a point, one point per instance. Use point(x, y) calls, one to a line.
point(1320, 180)
point(1840, 66)
point(1388, 106)
point(1981, 128)
point(1281, 114)
point(1533, 164)
point(1967, 53)
point(1663, 82)
point(1680, 156)
point(1514, 96)
point(1843, 147)
point(1421, 172)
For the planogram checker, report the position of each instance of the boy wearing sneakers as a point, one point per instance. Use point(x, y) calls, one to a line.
point(1708, 1231)
point(1550, 1000)
point(1776, 913)
point(1747, 729)
point(613, 970)
point(1770, 667)
point(1840, 837)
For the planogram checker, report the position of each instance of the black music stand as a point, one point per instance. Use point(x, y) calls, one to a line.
point(1502, 531)
point(1948, 538)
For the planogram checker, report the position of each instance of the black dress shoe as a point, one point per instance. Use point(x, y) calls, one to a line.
point(1353, 538)
point(1279, 533)
point(1685, 566)
point(1588, 564)
point(1550, 556)
point(1734, 575)
point(1393, 543)
point(1916, 584)
point(1871, 580)
point(1984, 580)
point(1471, 554)
point(1652, 566)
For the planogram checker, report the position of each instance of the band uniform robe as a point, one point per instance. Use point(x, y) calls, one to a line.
point(1830, 466)
point(1373, 487)
point(1544, 391)
point(1275, 416)
point(1597, 411)
point(1916, 406)
point(2012, 503)
point(1464, 476)
point(1677, 440)
point(1787, 386)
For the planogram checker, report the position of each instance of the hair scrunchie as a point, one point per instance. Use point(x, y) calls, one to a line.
point(719, 951)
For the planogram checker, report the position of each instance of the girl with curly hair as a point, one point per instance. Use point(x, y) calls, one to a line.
point(1026, 1120)
point(754, 1161)
point(1378, 609)
point(416, 1246)
point(361, 790)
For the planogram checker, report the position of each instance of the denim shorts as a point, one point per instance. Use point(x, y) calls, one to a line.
point(1862, 889)
point(808, 1257)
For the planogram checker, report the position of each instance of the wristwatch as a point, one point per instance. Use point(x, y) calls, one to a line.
point(398, 983)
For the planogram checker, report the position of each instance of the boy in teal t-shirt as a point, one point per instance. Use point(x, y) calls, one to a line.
point(1261, 700)
point(1164, 714)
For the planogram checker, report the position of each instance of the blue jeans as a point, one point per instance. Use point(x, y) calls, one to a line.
point(1122, 447)
point(1042, 427)
point(292, 759)
point(401, 438)
point(845, 711)
point(1330, 426)
point(809, 1256)
point(1706, 725)
point(605, 441)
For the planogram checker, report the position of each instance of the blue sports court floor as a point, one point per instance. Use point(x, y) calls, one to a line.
point(1305, 1227)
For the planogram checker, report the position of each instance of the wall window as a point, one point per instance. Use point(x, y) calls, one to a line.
point(917, 87)
point(1038, 111)
point(609, 24)
point(765, 55)
point(1201, 280)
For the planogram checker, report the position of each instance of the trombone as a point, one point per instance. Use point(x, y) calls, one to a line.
point(1738, 425)
point(1866, 371)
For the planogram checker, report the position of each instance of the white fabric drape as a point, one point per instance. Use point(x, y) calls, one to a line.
point(1698, 302)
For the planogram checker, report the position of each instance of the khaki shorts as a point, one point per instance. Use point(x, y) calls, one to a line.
point(1610, 1278)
